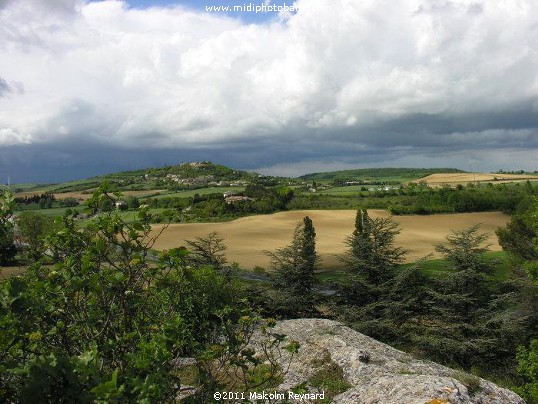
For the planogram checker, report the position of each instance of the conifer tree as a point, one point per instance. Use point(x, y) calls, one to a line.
point(295, 267)
point(372, 254)
point(461, 302)
point(366, 297)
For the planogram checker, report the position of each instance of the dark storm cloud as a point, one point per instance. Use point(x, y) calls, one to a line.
point(108, 87)
point(512, 126)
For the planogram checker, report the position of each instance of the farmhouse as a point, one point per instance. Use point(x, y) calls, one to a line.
point(121, 205)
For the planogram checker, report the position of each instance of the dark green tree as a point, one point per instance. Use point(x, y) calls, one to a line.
point(520, 239)
point(469, 313)
point(132, 202)
point(372, 253)
point(32, 229)
point(208, 250)
point(528, 370)
point(295, 267)
point(309, 252)
point(379, 296)
point(7, 241)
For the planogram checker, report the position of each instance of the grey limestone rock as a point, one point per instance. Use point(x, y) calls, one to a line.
point(374, 372)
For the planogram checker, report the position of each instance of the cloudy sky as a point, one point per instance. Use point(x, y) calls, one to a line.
point(89, 87)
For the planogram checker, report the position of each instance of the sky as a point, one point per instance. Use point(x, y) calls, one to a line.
point(91, 87)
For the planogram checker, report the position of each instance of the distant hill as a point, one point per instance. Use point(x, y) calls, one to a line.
point(148, 178)
point(205, 173)
point(373, 174)
point(185, 170)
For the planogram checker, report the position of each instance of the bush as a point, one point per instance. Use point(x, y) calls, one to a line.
point(108, 322)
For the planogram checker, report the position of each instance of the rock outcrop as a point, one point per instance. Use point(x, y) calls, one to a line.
point(362, 370)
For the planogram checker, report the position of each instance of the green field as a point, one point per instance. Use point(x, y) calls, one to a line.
point(52, 211)
point(378, 174)
point(435, 268)
point(189, 193)
point(345, 191)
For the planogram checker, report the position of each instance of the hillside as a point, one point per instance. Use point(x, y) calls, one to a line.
point(378, 174)
point(198, 174)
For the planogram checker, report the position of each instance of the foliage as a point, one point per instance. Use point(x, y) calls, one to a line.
point(520, 239)
point(329, 378)
point(208, 250)
point(68, 202)
point(378, 296)
point(32, 228)
point(475, 321)
point(372, 254)
point(528, 369)
point(109, 321)
point(470, 381)
point(420, 199)
point(233, 364)
point(7, 241)
point(464, 318)
point(44, 200)
point(295, 266)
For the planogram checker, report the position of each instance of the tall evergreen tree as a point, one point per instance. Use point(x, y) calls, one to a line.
point(365, 298)
point(308, 252)
point(372, 254)
point(295, 267)
point(469, 318)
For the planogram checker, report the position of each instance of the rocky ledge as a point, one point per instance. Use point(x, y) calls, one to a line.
point(354, 368)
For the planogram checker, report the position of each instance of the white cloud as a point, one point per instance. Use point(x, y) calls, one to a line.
point(9, 137)
point(174, 77)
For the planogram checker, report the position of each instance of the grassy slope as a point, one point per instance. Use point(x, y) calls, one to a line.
point(434, 268)
point(378, 174)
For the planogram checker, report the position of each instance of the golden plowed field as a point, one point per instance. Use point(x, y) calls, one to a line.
point(454, 179)
point(247, 238)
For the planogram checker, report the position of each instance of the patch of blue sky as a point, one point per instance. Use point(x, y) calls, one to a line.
point(248, 11)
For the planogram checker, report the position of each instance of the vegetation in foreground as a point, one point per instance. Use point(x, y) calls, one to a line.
point(99, 316)
point(110, 321)
point(469, 318)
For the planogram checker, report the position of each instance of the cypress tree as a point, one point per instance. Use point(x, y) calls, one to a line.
point(295, 267)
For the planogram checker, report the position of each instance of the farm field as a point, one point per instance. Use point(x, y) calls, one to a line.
point(464, 178)
point(247, 238)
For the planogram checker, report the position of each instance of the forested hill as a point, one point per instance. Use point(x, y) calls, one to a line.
point(396, 174)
